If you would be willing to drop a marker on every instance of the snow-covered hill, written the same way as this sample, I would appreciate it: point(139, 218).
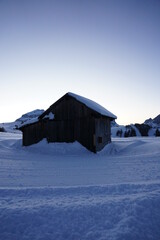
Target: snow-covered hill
point(151, 127)
point(155, 122)
point(30, 115)
point(12, 126)
point(62, 191)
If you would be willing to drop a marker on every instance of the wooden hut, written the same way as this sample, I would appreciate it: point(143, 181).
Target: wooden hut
point(71, 118)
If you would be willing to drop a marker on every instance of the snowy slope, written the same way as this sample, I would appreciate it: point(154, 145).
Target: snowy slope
point(63, 191)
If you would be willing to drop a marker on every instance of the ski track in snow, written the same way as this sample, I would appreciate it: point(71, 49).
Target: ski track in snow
point(63, 192)
point(125, 211)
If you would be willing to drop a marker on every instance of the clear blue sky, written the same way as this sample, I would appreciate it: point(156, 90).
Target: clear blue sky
point(108, 51)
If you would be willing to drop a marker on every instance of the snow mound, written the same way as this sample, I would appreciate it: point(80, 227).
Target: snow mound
point(57, 149)
point(109, 149)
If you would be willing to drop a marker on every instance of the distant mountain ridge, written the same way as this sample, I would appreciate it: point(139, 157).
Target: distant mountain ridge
point(150, 127)
point(154, 121)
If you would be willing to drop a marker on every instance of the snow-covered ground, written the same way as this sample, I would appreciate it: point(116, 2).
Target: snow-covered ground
point(63, 191)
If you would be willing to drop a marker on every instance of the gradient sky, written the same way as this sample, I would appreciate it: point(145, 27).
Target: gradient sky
point(105, 50)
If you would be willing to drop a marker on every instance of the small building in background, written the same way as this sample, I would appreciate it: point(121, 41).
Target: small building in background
point(71, 118)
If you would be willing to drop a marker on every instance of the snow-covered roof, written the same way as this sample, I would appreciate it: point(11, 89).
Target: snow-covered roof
point(93, 105)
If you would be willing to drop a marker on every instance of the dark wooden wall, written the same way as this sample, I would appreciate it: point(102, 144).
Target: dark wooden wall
point(102, 132)
point(32, 133)
point(69, 108)
point(73, 122)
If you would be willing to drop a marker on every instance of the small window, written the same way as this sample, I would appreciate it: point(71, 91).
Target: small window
point(99, 139)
